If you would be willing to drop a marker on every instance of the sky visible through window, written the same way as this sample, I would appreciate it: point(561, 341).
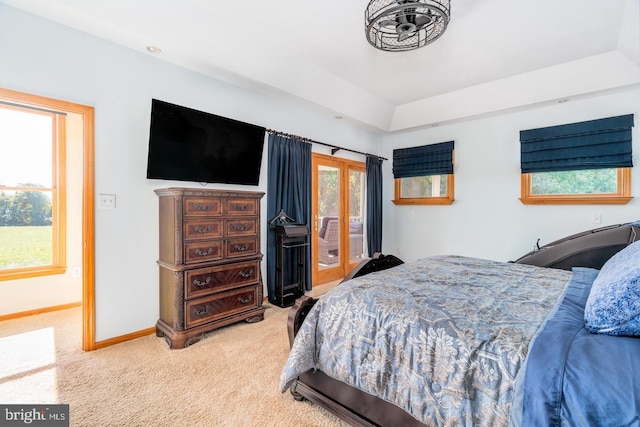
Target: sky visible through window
point(25, 148)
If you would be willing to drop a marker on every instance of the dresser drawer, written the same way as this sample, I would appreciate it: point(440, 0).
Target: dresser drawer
point(216, 306)
point(236, 206)
point(241, 246)
point(200, 251)
point(204, 281)
point(202, 228)
point(241, 227)
point(202, 206)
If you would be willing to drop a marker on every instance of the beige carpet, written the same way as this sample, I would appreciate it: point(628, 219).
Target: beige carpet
point(230, 378)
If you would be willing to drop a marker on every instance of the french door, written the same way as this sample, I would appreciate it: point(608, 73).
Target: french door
point(338, 237)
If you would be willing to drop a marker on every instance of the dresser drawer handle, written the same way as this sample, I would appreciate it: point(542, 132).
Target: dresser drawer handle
point(200, 207)
point(201, 230)
point(200, 284)
point(246, 300)
point(200, 252)
point(239, 227)
point(246, 275)
point(241, 207)
point(241, 248)
point(202, 312)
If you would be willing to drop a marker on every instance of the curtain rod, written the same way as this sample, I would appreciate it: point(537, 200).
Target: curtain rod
point(31, 107)
point(334, 148)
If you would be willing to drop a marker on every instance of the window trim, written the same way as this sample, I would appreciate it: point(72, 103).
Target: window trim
point(621, 197)
point(30, 104)
point(441, 200)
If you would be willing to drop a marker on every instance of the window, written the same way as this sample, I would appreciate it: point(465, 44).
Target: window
point(424, 175)
point(32, 238)
point(579, 163)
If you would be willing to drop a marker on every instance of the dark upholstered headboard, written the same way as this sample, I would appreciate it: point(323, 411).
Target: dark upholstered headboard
point(587, 249)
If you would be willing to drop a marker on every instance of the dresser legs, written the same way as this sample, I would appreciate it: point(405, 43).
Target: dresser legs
point(184, 338)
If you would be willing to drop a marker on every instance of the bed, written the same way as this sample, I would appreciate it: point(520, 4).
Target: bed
point(453, 341)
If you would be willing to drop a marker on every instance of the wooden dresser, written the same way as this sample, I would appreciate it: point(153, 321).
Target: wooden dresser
point(209, 262)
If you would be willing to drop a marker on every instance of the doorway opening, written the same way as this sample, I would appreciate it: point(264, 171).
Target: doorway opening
point(85, 119)
point(338, 209)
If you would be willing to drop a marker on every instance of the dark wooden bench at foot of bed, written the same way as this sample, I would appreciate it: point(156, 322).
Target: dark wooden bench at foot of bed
point(348, 403)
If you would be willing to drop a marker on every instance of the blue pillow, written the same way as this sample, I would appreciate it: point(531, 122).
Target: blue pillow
point(613, 306)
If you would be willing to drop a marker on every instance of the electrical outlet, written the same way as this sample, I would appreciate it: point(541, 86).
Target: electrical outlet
point(75, 272)
point(107, 201)
point(596, 218)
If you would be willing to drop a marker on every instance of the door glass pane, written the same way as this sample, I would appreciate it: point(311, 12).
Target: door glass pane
point(328, 217)
point(356, 215)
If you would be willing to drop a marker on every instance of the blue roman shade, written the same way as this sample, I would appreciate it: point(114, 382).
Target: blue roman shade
point(434, 159)
point(594, 144)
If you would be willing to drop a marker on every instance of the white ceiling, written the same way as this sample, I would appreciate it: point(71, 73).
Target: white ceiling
point(496, 55)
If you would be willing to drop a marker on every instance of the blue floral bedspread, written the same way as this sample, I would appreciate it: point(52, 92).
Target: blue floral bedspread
point(442, 337)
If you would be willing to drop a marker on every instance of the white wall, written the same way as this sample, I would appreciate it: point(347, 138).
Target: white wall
point(487, 219)
point(44, 58)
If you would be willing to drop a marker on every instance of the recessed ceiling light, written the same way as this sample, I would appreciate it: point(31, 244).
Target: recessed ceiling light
point(153, 49)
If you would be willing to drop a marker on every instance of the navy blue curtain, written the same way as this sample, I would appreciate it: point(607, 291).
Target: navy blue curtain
point(288, 188)
point(433, 159)
point(593, 144)
point(374, 205)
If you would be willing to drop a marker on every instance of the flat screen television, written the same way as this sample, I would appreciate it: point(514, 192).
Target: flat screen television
point(191, 145)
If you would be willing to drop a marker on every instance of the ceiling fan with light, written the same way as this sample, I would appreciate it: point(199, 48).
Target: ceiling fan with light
point(401, 25)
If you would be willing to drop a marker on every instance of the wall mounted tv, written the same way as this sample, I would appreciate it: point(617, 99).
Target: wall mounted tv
point(191, 145)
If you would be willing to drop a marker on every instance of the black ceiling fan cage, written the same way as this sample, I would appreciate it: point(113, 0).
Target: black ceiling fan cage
point(401, 25)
